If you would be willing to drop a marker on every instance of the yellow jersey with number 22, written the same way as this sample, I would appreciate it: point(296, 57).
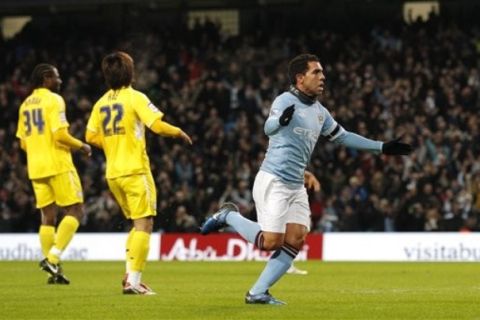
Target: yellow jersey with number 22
point(120, 116)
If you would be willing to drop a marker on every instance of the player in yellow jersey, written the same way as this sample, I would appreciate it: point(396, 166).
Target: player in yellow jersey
point(117, 125)
point(43, 133)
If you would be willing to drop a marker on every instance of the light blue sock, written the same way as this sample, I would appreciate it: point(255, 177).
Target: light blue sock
point(246, 228)
point(276, 267)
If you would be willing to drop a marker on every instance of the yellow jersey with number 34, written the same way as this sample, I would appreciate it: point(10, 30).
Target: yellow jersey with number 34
point(120, 116)
point(40, 115)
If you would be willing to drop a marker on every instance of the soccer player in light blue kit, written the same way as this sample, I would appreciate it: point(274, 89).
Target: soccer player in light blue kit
point(295, 122)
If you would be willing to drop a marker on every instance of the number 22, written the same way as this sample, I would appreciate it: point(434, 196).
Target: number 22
point(114, 128)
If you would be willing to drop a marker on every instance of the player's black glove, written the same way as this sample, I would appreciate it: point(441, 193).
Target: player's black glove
point(395, 147)
point(287, 115)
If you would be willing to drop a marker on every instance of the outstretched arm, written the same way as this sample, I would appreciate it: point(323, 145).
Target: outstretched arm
point(335, 133)
point(393, 147)
point(353, 140)
point(165, 129)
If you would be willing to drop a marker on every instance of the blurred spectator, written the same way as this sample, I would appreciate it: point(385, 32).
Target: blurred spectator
point(183, 222)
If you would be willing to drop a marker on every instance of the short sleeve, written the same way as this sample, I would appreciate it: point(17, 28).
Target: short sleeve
point(93, 121)
point(58, 118)
point(145, 109)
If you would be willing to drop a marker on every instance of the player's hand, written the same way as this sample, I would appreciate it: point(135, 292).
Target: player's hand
point(86, 149)
point(311, 182)
point(395, 147)
point(287, 115)
point(185, 137)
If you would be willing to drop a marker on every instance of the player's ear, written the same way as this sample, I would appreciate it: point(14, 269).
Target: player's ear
point(299, 77)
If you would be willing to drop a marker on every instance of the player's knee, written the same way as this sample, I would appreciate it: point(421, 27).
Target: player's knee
point(79, 211)
point(144, 224)
point(296, 241)
point(76, 211)
point(48, 220)
point(49, 215)
point(296, 235)
point(272, 244)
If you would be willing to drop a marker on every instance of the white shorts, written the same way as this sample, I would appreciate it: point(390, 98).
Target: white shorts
point(277, 205)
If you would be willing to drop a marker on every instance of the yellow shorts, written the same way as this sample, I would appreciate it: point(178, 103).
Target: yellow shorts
point(64, 189)
point(136, 194)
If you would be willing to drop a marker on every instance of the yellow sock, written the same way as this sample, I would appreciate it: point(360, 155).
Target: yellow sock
point(127, 249)
point(139, 250)
point(47, 237)
point(67, 228)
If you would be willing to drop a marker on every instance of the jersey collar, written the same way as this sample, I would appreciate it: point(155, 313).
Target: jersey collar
point(41, 89)
point(302, 96)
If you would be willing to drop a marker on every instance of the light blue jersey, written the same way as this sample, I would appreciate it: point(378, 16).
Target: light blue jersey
point(290, 147)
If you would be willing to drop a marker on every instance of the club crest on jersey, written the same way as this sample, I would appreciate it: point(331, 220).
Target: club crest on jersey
point(320, 119)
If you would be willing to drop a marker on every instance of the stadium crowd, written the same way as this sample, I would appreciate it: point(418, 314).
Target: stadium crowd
point(420, 80)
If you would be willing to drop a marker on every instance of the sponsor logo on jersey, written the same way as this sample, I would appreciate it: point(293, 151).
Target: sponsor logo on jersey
point(307, 133)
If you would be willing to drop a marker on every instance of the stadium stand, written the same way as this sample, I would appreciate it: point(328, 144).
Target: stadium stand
point(420, 80)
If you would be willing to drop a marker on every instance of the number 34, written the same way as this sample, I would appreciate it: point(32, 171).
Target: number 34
point(33, 118)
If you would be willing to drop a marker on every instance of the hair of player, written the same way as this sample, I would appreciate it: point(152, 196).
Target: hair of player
point(299, 64)
point(117, 69)
point(39, 73)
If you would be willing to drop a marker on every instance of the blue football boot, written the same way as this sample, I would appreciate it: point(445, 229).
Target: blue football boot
point(219, 219)
point(262, 298)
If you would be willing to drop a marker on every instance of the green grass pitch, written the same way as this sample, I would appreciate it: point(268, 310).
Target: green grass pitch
point(215, 290)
